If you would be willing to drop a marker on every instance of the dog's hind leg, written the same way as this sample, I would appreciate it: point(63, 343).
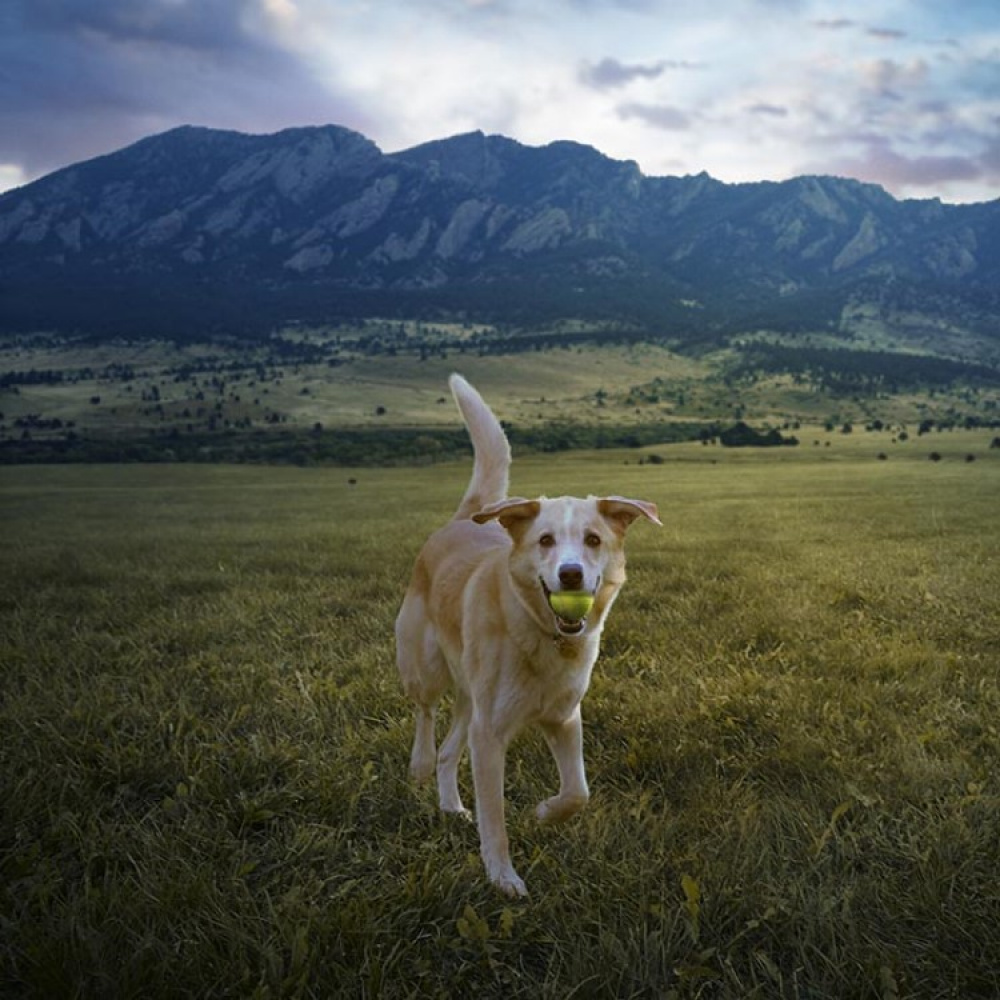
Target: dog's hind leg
point(422, 754)
point(451, 755)
point(425, 678)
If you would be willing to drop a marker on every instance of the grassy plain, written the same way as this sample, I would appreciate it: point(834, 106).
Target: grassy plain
point(793, 739)
point(336, 380)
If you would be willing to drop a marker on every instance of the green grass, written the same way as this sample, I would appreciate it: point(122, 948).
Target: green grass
point(128, 390)
point(792, 737)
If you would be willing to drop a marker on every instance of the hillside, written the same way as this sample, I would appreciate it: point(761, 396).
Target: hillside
point(196, 232)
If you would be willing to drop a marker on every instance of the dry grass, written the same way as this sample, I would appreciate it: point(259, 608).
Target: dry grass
point(792, 739)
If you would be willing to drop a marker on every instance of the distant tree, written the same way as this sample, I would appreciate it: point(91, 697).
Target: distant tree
point(741, 435)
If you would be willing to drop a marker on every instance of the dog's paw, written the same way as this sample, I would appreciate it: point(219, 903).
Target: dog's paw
point(460, 813)
point(559, 808)
point(421, 773)
point(509, 883)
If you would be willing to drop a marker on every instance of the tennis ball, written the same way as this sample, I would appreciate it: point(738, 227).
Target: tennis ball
point(571, 605)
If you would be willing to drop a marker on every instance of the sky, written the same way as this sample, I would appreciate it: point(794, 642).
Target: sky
point(901, 93)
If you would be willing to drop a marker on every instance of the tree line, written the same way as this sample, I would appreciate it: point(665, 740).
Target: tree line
point(852, 371)
point(347, 447)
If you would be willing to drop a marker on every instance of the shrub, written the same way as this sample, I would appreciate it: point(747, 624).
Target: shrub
point(741, 435)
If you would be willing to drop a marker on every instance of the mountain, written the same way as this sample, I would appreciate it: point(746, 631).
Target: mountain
point(198, 230)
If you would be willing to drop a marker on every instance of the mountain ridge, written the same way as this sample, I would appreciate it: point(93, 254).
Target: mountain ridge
point(199, 230)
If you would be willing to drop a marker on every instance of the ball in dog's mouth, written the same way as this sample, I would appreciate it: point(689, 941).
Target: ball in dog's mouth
point(570, 608)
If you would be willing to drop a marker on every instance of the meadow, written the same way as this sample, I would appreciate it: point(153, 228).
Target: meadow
point(199, 398)
point(792, 738)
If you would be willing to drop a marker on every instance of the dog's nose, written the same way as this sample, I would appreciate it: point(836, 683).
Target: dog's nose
point(571, 576)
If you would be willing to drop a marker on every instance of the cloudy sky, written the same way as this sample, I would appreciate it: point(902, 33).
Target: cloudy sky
point(904, 93)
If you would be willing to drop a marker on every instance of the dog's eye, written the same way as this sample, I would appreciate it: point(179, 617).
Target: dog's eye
point(546, 541)
point(592, 540)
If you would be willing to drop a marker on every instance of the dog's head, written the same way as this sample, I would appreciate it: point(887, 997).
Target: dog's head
point(568, 544)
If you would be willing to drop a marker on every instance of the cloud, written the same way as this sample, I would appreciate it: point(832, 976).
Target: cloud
point(845, 23)
point(80, 77)
point(630, 6)
point(770, 110)
point(207, 25)
point(660, 116)
point(747, 89)
point(841, 24)
point(610, 73)
point(887, 34)
point(11, 176)
point(991, 159)
point(918, 174)
point(889, 79)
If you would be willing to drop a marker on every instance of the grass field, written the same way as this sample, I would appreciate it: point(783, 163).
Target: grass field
point(52, 388)
point(793, 739)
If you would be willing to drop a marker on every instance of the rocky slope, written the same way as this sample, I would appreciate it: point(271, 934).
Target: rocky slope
point(197, 230)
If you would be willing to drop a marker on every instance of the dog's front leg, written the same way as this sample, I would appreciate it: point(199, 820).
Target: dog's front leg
point(488, 751)
point(565, 740)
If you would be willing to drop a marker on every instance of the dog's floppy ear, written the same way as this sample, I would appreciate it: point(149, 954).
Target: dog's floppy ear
point(621, 511)
point(514, 513)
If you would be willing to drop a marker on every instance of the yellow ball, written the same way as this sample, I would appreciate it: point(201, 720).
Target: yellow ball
point(571, 605)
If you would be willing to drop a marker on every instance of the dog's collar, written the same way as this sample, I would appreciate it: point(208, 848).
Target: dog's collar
point(567, 646)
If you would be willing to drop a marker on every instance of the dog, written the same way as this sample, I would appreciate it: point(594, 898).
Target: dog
point(477, 618)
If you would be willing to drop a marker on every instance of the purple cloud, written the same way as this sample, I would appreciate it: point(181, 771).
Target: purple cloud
point(836, 24)
point(887, 34)
point(610, 73)
point(770, 110)
point(79, 77)
point(879, 163)
point(660, 116)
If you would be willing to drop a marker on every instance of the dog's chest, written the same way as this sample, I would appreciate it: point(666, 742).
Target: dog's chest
point(556, 683)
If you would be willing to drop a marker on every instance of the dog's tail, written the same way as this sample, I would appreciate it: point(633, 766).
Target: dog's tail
point(492, 452)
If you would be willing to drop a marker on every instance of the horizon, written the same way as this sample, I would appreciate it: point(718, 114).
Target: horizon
point(905, 95)
point(489, 135)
